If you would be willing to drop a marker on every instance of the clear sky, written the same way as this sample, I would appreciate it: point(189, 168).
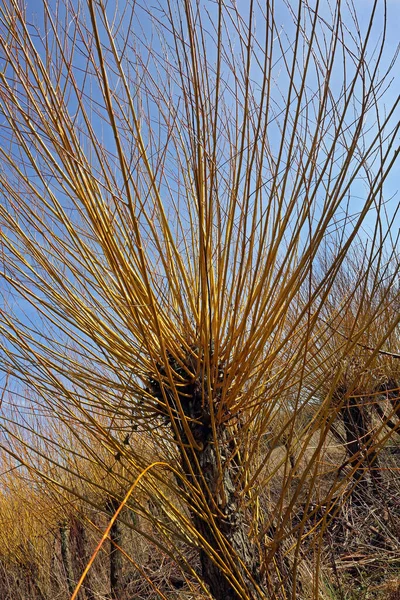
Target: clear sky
point(285, 23)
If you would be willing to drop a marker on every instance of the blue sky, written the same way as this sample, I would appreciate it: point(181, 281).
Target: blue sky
point(285, 23)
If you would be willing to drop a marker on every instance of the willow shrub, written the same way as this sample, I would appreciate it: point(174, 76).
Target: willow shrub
point(171, 177)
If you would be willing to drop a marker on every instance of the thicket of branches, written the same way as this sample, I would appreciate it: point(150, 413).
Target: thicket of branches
point(200, 300)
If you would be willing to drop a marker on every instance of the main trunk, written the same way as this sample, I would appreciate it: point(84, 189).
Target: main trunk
point(228, 526)
point(359, 444)
point(66, 555)
point(116, 579)
point(231, 569)
point(82, 558)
